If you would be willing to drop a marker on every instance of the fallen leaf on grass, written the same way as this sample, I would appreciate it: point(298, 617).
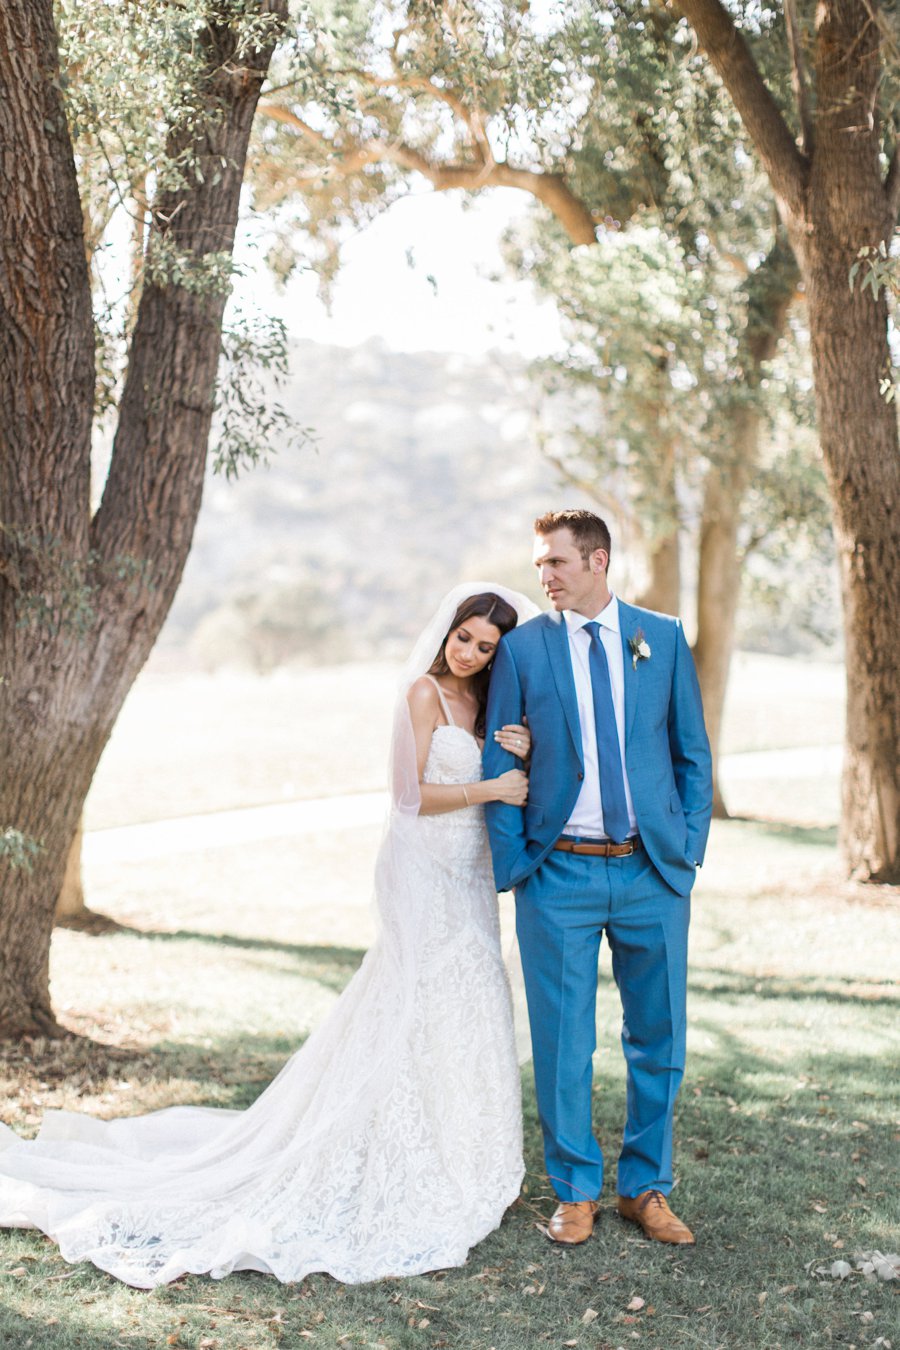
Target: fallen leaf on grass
point(820, 1209)
point(636, 1304)
point(878, 1265)
point(589, 1316)
point(707, 1307)
point(18, 1272)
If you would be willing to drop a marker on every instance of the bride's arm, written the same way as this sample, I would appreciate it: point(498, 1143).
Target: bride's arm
point(438, 798)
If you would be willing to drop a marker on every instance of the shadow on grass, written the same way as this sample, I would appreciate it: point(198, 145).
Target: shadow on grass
point(729, 986)
point(819, 836)
point(330, 966)
point(784, 1161)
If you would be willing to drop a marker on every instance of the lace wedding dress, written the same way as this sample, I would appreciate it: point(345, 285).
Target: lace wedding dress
point(389, 1144)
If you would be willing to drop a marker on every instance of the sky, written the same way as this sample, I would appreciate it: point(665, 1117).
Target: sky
point(418, 278)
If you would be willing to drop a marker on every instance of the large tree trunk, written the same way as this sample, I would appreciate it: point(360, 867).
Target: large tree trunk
point(769, 291)
point(82, 602)
point(849, 207)
point(834, 200)
point(859, 442)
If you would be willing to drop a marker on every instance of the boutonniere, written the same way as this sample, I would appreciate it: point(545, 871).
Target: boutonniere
point(640, 648)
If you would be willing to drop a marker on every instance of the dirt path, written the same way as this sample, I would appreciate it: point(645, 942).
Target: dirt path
point(248, 825)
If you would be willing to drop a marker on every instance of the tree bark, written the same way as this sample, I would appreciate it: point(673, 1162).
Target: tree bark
point(769, 290)
point(81, 602)
point(663, 590)
point(833, 201)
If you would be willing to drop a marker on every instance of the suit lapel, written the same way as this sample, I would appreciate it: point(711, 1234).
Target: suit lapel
point(628, 626)
point(556, 636)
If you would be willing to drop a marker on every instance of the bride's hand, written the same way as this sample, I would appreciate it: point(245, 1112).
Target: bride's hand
point(514, 738)
point(511, 787)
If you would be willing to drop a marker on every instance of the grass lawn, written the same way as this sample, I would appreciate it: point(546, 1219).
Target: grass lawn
point(787, 1131)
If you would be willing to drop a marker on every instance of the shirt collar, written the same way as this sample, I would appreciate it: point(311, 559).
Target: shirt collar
point(607, 618)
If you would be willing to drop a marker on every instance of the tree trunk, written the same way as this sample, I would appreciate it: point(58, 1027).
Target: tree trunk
point(81, 602)
point(834, 200)
point(718, 593)
point(70, 906)
point(71, 911)
point(663, 590)
point(860, 447)
point(769, 290)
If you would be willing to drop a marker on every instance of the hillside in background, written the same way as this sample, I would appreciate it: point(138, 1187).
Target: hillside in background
point(424, 471)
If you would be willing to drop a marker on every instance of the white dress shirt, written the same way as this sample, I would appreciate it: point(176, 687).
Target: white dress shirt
point(587, 817)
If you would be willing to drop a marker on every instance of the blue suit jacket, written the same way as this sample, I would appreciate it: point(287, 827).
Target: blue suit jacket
point(666, 747)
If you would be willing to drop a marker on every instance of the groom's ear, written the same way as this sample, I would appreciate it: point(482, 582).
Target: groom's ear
point(599, 561)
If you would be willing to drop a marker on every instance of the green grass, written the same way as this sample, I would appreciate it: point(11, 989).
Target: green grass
point(787, 1137)
point(787, 1130)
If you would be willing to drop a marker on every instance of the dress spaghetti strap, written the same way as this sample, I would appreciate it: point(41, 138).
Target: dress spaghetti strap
point(440, 693)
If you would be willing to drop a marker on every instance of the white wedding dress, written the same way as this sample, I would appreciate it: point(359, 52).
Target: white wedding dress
point(389, 1144)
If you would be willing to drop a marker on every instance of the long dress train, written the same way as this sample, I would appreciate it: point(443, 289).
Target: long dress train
point(389, 1144)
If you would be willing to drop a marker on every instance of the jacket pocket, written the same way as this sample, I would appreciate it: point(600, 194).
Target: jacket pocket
point(534, 818)
point(674, 801)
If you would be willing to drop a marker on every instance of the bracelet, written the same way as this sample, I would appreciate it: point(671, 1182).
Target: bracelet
point(465, 794)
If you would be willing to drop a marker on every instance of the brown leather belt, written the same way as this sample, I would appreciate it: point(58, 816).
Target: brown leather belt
point(599, 848)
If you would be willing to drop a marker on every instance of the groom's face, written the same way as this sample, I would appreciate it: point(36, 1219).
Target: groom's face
point(568, 580)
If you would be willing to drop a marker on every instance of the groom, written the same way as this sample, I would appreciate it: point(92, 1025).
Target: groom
point(618, 812)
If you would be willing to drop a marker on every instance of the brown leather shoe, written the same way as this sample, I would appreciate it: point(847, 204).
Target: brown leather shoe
point(572, 1222)
point(650, 1209)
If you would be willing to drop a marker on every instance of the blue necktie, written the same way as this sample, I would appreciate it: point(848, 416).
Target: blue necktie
point(612, 782)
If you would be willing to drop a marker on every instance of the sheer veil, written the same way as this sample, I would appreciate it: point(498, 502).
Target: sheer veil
point(403, 775)
point(402, 861)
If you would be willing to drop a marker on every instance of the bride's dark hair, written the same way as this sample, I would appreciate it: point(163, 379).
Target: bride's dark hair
point(493, 610)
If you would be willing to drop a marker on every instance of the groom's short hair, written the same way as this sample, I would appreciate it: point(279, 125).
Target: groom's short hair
point(588, 531)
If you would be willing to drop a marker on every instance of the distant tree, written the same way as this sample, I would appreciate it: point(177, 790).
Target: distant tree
point(83, 591)
point(606, 124)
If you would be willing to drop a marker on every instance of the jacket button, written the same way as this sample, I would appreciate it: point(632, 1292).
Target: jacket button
point(581, 775)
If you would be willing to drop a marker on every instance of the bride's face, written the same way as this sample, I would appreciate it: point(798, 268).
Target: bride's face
point(471, 646)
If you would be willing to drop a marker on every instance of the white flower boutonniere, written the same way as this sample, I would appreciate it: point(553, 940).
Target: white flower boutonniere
point(640, 648)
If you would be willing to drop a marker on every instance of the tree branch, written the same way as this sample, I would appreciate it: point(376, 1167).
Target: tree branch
point(786, 166)
point(549, 188)
point(799, 78)
point(155, 480)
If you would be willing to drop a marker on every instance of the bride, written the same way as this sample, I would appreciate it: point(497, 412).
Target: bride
point(390, 1143)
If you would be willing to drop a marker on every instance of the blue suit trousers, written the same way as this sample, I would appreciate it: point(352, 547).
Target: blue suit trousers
point(562, 911)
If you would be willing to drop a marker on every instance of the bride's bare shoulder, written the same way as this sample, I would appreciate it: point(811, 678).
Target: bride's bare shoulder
point(422, 695)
